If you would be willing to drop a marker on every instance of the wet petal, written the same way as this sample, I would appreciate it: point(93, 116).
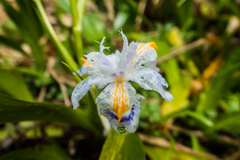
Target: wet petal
point(118, 103)
point(125, 42)
point(150, 80)
point(131, 53)
point(104, 81)
point(88, 68)
point(152, 65)
point(100, 61)
point(146, 52)
point(83, 87)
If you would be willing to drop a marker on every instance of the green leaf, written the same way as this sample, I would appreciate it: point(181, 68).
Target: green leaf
point(29, 26)
point(13, 110)
point(122, 146)
point(93, 27)
point(120, 20)
point(41, 152)
point(195, 143)
point(14, 45)
point(226, 78)
point(228, 123)
point(198, 116)
point(157, 153)
point(12, 83)
point(64, 4)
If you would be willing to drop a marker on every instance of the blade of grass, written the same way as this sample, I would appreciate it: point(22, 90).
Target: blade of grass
point(11, 43)
point(14, 110)
point(122, 146)
point(65, 54)
point(77, 9)
point(29, 33)
point(47, 151)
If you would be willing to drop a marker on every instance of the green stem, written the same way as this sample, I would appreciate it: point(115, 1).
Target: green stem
point(77, 9)
point(65, 54)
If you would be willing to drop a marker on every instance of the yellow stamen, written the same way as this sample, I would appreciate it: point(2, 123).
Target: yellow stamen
point(120, 102)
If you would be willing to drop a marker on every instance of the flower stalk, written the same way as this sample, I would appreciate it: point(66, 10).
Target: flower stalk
point(64, 53)
point(77, 9)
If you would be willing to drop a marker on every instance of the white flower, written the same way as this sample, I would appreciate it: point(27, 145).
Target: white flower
point(118, 102)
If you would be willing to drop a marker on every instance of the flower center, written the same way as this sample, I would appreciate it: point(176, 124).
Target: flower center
point(119, 78)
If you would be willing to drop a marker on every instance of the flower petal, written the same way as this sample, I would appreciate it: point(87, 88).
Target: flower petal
point(125, 42)
point(150, 80)
point(151, 65)
point(97, 61)
point(146, 52)
point(118, 103)
point(104, 81)
point(83, 87)
point(88, 68)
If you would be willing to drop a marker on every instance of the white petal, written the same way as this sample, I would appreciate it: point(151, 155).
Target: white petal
point(151, 65)
point(102, 47)
point(119, 100)
point(146, 52)
point(131, 53)
point(150, 80)
point(88, 69)
point(104, 81)
point(114, 59)
point(125, 42)
point(82, 88)
point(100, 61)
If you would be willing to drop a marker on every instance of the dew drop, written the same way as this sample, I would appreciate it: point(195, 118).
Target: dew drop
point(122, 129)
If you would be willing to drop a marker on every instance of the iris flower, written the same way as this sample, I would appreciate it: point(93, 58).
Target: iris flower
point(118, 102)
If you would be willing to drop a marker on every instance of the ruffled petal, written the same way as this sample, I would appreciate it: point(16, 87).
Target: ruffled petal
point(88, 68)
point(119, 104)
point(83, 87)
point(152, 65)
point(146, 55)
point(125, 42)
point(98, 61)
point(150, 80)
point(104, 81)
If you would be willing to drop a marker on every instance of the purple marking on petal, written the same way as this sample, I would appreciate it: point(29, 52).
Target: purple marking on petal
point(113, 75)
point(112, 115)
point(129, 118)
point(107, 64)
point(126, 119)
point(80, 70)
point(122, 73)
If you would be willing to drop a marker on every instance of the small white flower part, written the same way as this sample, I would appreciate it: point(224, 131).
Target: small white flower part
point(118, 102)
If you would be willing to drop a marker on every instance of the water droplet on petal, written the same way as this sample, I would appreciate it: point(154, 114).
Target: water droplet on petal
point(122, 129)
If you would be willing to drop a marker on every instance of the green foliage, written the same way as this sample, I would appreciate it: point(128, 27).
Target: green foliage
point(13, 110)
point(11, 43)
point(127, 146)
point(30, 33)
point(93, 28)
point(156, 153)
point(228, 123)
point(225, 79)
point(41, 152)
point(203, 73)
point(13, 84)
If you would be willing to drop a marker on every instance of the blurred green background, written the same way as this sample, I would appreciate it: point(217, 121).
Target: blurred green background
point(198, 54)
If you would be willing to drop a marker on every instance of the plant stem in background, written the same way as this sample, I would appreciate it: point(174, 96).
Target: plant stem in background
point(77, 9)
point(65, 54)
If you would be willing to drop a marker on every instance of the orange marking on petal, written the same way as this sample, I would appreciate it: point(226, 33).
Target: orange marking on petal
point(119, 97)
point(143, 47)
point(140, 47)
point(85, 62)
point(153, 45)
